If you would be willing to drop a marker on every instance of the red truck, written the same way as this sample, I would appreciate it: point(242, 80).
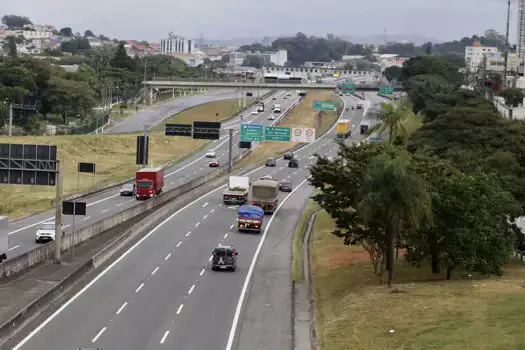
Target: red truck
point(149, 182)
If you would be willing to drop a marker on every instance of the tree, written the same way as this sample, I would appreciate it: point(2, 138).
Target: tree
point(14, 21)
point(121, 59)
point(69, 97)
point(392, 117)
point(424, 87)
point(254, 48)
point(253, 61)
point(513, 96)
point(10, 47)
point(67, 32)
point(393, 73)
point(394, 198)
point(89, 33)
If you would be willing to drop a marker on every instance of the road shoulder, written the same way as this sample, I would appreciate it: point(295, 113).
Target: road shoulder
point(267, 320)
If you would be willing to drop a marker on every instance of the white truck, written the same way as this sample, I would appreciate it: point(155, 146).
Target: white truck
point(238, 189)
point(4, 240)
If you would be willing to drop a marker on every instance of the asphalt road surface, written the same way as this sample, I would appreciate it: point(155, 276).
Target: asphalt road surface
point(161, 293)
point(22, 233)
point(154, 116)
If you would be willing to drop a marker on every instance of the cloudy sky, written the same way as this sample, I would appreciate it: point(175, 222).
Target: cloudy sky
point(225, 19)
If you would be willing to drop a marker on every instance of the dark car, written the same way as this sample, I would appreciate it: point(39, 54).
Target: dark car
point(224, 258)
point(128, 190)
point(214, 163)
point(286, 186)
point(288, 155)
point(271, 162)
point(293, 163)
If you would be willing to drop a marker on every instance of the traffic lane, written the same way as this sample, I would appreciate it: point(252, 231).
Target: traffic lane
point(134, 266)
point(111, 201)
point(267, 314)
point(136, 273)
point(152, 117)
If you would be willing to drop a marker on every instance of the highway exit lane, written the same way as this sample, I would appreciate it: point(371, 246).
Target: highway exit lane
point(145, 296)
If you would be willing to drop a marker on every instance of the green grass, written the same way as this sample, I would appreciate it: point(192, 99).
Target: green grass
point(300, 230)
point(354, 311)
point(114, 156)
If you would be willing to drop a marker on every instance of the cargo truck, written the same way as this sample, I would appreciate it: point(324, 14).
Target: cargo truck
point(250, 218)
point(343, 128)
point(150, 182)
point(237, 192)
point(264, 194)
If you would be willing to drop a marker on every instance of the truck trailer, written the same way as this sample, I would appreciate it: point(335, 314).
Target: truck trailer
point(343, 128)
point(237, 192)
point(250, 218)
point(264, 194)
point(150, 182)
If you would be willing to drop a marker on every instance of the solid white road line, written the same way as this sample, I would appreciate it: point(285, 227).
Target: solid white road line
point(86, 218)
point(164, 337)
point(98, 335)
point(132, 248)
point(13, 248)
point(121, 308)
point(250, 271)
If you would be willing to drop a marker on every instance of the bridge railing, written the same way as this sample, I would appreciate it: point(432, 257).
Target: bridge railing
point(204, 79)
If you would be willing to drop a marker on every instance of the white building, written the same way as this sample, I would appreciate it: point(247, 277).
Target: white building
point(176, 44)
point(474, 56)
point(279, 58)
point(237, 58)
point(495, 62)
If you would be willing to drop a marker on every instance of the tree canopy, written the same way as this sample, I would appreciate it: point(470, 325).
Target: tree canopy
point(14, 21)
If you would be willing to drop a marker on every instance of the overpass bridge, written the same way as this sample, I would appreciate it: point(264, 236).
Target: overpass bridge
point(243, 85)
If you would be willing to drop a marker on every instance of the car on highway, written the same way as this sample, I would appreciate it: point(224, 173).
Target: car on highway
point(293, 163)
point(210, 154)
point(214, 163)
point(254, 112)
point(271, 162)
point(285, 97)
point(360, 105)
point(288, 155)
point(288, 93)
point(285, 186)
point(274, 98)
point(224, 258)
point(45, 232)
point(267, 177)
point(271, 117)
point(128, 190)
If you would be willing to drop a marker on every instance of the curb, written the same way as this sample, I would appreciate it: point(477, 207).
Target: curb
point(306, 301)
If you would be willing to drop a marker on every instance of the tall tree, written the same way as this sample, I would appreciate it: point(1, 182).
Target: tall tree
point(10, 47)
point(88, 33)
point(513, 96)
point(67, 31)
point(253, 61)
point(396, 199)
point(391, 117)
point(121, 59)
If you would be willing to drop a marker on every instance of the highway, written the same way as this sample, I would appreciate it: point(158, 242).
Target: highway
point(161, 293)
point(153, 116)
point(109, 202)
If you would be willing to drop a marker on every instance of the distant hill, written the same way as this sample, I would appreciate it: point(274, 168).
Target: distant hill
point(369, 39)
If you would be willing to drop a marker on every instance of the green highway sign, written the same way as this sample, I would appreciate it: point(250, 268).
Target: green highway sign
point(349, 86)
point(352, 92)
point(324, 106)
point(276, 133)
point(386, 91)
point(251, 133)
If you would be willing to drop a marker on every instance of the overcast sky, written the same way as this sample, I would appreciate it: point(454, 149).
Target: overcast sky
point(225, 19)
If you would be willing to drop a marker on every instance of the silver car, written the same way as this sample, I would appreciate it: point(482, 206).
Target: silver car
point(128, 190)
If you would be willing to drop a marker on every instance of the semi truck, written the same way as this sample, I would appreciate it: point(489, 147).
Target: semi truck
point(264, 194)
point(237, 192)
point(343, 128)
point(250, 218)
point(150, 182)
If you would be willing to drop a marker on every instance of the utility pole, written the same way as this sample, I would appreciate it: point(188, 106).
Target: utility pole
point(58, 213)
point(506, 45)
point(144, 158)
point(230, 150)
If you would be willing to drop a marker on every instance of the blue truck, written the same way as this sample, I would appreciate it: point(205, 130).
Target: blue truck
point(250, 218)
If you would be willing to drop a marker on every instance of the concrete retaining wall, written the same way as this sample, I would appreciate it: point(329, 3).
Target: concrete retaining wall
point(43, 252)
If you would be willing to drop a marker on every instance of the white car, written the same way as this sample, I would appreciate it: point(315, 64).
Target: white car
point(210, 154)
point(45, 232)
point(271, 117)
point(255, 112)
point(289, 94)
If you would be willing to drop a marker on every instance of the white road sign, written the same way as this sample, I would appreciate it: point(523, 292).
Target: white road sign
point(303, 135)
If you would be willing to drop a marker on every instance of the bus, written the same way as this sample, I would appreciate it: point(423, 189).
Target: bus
point(260, 106)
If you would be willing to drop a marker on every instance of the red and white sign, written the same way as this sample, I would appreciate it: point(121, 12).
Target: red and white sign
point(303, 135)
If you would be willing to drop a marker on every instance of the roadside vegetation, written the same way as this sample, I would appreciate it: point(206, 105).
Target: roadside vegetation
point(415, 246)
